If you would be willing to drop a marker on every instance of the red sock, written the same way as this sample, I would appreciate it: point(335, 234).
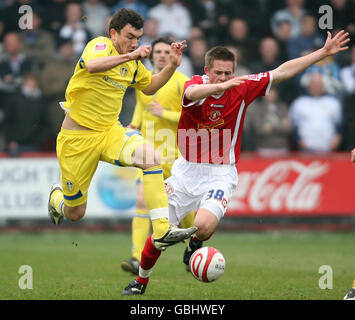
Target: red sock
point(150, 255)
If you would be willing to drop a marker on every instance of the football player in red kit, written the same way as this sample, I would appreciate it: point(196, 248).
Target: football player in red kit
point(209, 137)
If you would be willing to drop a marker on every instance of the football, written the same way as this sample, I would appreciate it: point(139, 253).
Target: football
point(207, 264)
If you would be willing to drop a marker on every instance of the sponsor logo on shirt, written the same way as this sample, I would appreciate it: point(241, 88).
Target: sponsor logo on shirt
point(257, 77)
point(100, 46)
point(211, 126)
point(217, 105)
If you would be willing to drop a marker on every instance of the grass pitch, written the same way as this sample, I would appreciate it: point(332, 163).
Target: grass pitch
point(267, 266)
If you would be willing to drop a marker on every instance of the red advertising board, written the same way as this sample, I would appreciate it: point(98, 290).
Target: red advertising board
point(299, 184)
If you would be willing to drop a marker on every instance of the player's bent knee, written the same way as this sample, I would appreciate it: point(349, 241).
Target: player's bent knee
point(203, 231)
point(74, 214)
point(145, 157)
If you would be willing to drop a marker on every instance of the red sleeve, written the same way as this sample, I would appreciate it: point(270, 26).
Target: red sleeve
point(257, 85)
point(193, 82)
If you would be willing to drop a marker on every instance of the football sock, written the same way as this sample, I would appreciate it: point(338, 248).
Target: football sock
point(156, 200)
point(57, 201)
point(140, 232)
point(195, 244)
point(150, 255)
point(353, 287)
point(188, 220)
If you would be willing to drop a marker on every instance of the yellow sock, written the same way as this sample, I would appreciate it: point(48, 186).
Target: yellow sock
point(353, 284)
point(188, 220)
point(57, 201)
point(140, 232)
point(156, 200)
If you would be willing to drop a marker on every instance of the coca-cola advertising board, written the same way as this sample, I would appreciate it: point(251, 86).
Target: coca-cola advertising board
point(294, 185)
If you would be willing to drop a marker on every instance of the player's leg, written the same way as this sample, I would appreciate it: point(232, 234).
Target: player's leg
point(212, 209)
point(128, 148)
point(148, 159)
point(57, 209)
point(150, 256)
point(78, 158)
point(140, 230)
point(193, 243)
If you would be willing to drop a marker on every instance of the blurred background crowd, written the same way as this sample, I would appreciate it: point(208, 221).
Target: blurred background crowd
point(314, 112)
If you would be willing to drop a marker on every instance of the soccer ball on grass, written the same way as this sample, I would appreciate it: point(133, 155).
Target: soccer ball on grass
point(207, 264)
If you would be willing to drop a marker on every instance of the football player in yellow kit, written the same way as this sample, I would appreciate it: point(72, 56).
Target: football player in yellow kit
point(157, 117)
point(91, 131)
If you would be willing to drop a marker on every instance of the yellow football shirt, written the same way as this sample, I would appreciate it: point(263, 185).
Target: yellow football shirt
point(161, 132)
point(94, 100)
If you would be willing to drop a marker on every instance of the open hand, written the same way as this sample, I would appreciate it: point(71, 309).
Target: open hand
point(337, 43)
point(236, 81)
point(177, 48)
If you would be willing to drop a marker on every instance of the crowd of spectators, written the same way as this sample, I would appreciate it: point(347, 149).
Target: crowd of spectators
point(313, 112)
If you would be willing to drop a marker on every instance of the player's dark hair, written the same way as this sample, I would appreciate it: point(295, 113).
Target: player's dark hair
point(218, 53)
point(167, 40)
point(126, 16)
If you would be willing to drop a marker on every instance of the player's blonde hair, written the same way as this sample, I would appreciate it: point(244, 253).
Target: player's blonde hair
point(219, 53)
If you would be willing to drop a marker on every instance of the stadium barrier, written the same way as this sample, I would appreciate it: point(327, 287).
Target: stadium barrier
point(298, 190)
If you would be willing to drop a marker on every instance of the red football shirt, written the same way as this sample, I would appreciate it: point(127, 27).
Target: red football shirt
point(210, 129)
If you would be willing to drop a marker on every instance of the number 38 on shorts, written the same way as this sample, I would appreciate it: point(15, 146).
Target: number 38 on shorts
point(218, 195)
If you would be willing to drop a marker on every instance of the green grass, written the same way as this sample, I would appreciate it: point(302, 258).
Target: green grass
point(79, 265)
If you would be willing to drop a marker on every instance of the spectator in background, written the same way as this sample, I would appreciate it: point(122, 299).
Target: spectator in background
point(270, 125)
point(173, 18)
point(293, 12)
point(269, 52)
point(74, 28)
point(240, 69)
point(136, 5)
point(330, 71)
point(38, 44)
point(239, 36)
point(309, 39)
point(203, 15)
point(283, 36)
point(343, 15)
point(2, 33)
point(197, 50)
point(25, 118)
point(54, 79)
point(317, 118)
point(54, 16)
point(347, 74)
point(14, 64)
point(150, 30)
point(12, 15)
point(95, 13)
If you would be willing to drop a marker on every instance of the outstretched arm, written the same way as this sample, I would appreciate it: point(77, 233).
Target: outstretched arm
point(202, 91)
point(292, 67)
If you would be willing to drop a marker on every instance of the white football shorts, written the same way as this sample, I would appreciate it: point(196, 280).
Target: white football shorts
point(192, 186)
